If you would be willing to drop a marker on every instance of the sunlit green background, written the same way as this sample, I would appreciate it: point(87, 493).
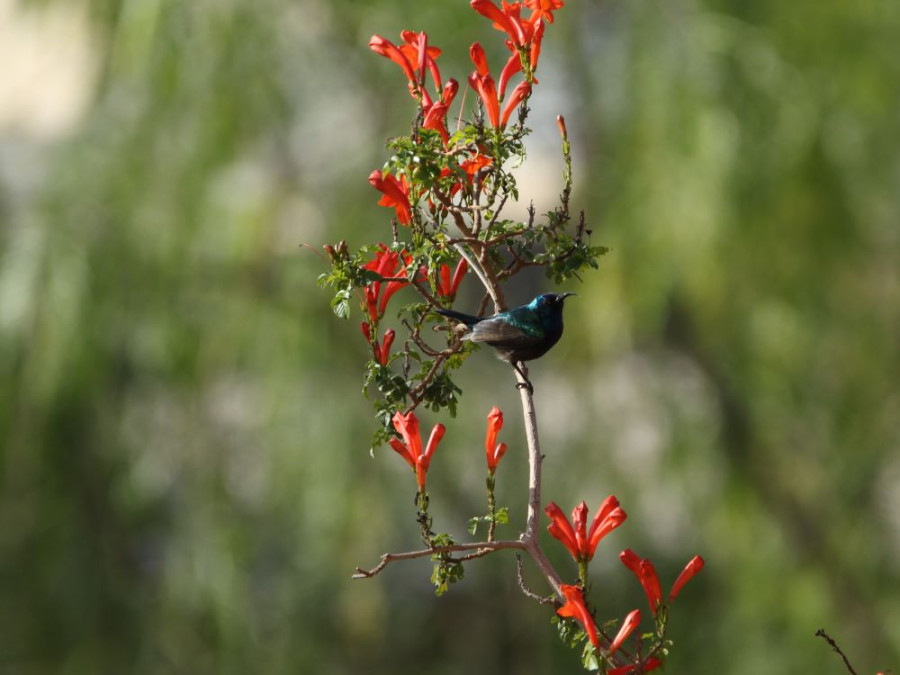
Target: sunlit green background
point(185, 469)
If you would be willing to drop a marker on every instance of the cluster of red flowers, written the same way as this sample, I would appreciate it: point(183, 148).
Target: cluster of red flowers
point(395, 194)
point(447, 287)
point(407, 425)
point(581, 544)
point(646, 574)
point(387, 264)
point(410, 448)
point(418, 59)
point(381, 350)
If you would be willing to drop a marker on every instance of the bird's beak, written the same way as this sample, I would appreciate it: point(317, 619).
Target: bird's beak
point(566, 295)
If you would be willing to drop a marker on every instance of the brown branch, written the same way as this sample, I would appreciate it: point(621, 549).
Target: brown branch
point(479, 549)
point(497, 210)
point(419, 388)
point(530, 536)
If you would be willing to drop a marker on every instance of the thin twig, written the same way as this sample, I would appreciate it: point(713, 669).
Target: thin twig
point(481, 548)
point(825, 636)
point(548, 600)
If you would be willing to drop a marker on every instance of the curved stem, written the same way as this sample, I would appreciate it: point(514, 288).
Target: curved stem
point(530, 537)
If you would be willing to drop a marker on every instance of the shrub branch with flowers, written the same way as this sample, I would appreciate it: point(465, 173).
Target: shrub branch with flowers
point(447, 188)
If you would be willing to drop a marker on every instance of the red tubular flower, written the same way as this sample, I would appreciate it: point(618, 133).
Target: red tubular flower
point(475, 164)
point(576, 609)
point(366, 331)
point(417, 52)
point(413, 57)
point(461, 268)
point(387, 263)
point(383, 350)
point(649, 664)
point(646, 574)
point(690, 570)
point(609, 516)
point(513, 66)
point(476, 53)
point(561, 529)
point(395, 193)
point(507, 19)
point(449, 91)
point(484, 86)
point(447, 287)
point(389, 50)
point(436, 113)
point(436, 118)
point(536, 40)
point(631, 622)
point(519, 94)
point(543, 9)
point(393, 286)
point(411, 448)
point(581, 543)
point(494, 450)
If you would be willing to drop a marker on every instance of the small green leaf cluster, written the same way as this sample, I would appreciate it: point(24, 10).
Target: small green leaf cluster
point(501, 517)
point(447, 569)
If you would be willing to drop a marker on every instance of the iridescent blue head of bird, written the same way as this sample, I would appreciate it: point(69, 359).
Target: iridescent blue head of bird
point(549, 300)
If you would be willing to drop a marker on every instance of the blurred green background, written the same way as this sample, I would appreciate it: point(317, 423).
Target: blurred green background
point(186, 479)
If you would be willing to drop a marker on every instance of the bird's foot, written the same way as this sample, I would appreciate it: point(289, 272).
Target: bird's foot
point(524, 383)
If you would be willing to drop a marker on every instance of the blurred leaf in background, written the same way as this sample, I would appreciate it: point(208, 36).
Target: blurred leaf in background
point(186, 484)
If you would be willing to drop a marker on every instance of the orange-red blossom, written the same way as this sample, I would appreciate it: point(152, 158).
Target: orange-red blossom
point(410, 448)
point(387, 263)
point(494, 450)
point(576, 609)
point(382, 350)
point(575, 536)
point(645, 572)
point(631, 622)
point(395, 193)
point(448, 286)
point(484, 85)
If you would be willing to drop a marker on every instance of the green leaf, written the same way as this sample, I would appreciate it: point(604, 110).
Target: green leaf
point(340, 304)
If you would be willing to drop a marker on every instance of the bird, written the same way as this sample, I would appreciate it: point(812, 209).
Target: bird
point(520, 334)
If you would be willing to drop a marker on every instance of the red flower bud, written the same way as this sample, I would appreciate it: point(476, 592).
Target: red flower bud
point(494, 450)
point(631, 622)
point(689, 572)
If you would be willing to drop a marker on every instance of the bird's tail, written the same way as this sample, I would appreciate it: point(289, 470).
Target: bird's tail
point(467, 319)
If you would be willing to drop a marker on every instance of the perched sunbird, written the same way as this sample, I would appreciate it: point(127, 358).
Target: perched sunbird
point(519, 334)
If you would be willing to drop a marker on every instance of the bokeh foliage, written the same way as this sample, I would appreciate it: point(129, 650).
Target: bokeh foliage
point(186, 485)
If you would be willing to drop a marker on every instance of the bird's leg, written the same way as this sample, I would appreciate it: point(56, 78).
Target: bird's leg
point(520, 368)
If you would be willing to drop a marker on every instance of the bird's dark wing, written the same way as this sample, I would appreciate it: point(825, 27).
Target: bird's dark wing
point(499, 330)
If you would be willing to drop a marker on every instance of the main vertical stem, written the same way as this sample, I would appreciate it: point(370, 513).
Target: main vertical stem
point(530, 536)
